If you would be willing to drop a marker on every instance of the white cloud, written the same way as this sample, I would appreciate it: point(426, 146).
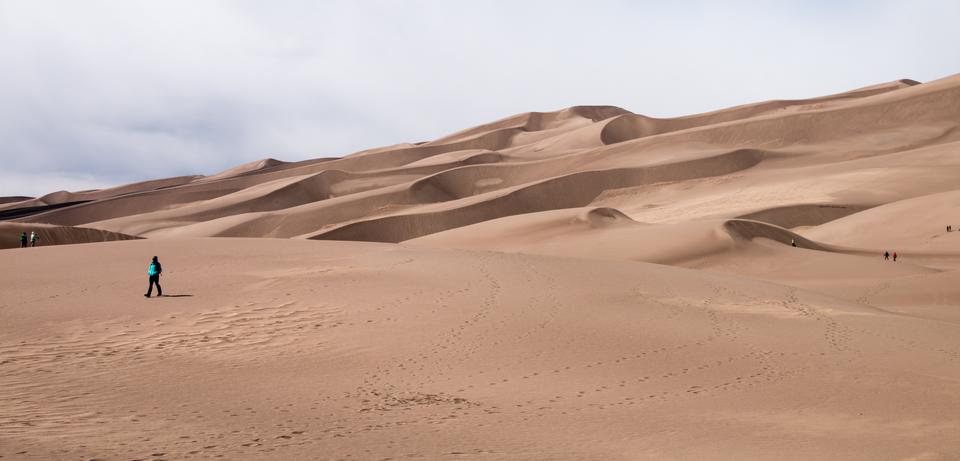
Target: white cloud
point(123, 91)
point(36, 185)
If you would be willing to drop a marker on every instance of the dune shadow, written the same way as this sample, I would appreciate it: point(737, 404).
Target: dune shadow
point(177, 296)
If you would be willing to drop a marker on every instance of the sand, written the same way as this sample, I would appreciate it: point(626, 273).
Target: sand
point(581, 284)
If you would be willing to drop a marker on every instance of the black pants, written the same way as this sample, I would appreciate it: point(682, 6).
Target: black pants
point(155, 280)
point(23, 244)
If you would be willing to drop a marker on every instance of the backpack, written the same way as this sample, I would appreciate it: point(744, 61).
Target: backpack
point(152, 270)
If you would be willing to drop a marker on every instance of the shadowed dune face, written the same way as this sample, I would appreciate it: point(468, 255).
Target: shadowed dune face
point(6, 200)
point(587, 283)
point(55, 235)
point(803, 215)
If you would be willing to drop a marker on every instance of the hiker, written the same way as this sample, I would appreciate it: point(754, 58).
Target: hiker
point(34, 238)
point(886, 255)
point(23, 240)
point(793, 243)
point(948, 228)
point(154, 270)
point(894, 256)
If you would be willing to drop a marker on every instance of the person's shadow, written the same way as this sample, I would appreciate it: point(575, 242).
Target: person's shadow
point(175, 296)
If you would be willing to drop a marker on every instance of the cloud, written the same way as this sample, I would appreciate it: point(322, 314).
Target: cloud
point(115, 92)
point(48, 182)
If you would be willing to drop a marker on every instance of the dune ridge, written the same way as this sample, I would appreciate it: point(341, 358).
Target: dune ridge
point(570, 191)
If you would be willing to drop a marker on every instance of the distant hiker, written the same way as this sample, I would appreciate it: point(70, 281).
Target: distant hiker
point(23, 240)
point(154, 270)
point(793, 243)
point(894, 256)
point(886, 255)
point(34, 237)
point(948, 228)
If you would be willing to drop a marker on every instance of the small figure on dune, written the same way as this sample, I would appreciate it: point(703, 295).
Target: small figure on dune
point(894, 256)
point(793, 243)
point(154, 270)
point(34, 238)
point(23, 240)
point(949, 228)
point(886, 255)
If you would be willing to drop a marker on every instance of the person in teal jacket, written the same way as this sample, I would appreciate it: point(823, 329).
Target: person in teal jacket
point(154, 270)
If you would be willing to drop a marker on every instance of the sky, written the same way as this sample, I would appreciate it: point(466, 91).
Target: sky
point(101, 93)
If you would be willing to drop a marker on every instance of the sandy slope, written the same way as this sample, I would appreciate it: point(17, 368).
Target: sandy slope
point(287, 349)
point(54, 235)
point(519, 317)
point(916, 223)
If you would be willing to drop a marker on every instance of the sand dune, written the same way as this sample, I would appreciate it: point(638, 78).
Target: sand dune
point(917, 224)
point(609, 234)
point(540, 122)
point(62, 197)
point(15, 199)
point(255, 166)
point(632, 126)
point(803, 215)
point(55, 235)
point(588, 233)
point(577, 189)
point(587, 283)
point(802, 140)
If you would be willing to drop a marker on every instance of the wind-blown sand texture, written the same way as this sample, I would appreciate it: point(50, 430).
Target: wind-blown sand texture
point(580, 284)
